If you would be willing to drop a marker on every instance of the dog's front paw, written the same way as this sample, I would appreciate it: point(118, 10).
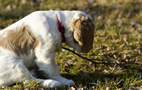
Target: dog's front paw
point(50, 83)
point(68, 83)
point(64, 81)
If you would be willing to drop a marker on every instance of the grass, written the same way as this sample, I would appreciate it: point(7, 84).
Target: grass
point(116, 40)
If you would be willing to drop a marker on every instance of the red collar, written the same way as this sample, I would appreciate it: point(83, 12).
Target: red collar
point(61, 29)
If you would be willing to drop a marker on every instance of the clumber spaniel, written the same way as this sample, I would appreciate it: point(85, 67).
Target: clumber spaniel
point(32, 42)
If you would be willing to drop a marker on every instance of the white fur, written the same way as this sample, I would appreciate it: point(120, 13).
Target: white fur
point(43, 24)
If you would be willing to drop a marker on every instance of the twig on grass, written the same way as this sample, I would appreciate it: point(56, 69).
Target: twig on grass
point(100, 61)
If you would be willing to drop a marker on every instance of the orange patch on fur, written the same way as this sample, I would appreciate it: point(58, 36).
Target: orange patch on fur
point(19, 42)
point(84, 32)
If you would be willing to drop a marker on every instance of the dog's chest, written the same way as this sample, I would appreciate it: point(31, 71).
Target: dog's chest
point(28, 60)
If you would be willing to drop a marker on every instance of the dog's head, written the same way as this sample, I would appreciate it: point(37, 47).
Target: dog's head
point(83, 31)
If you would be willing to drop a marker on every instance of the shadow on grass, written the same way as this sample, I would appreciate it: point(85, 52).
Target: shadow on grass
point(99, 79)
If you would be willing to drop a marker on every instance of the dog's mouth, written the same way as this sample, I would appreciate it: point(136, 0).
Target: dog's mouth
point(84, 48)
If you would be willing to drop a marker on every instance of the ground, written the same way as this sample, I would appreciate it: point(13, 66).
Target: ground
point(118, 40)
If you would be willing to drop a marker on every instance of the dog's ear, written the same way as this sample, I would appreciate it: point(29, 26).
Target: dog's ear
point(83, 31)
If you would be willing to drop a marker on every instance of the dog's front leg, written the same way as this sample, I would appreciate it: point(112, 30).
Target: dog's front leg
point(46, 63)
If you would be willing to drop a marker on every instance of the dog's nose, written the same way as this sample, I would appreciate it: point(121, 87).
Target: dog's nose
point(86, 50)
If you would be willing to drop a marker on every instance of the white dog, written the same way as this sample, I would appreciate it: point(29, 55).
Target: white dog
point(33, 41)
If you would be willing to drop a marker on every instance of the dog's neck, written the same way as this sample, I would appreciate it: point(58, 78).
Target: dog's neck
point(66, 18)
point(60, 27)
